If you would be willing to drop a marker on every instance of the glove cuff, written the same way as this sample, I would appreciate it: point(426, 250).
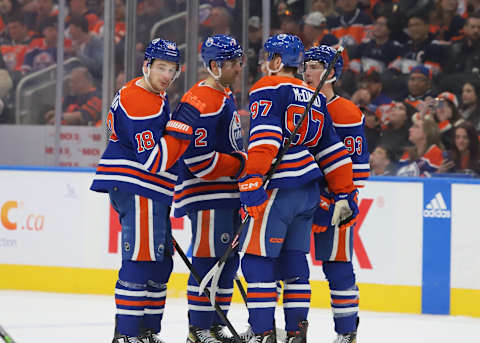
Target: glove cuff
point(242, 157)
point(250, 182)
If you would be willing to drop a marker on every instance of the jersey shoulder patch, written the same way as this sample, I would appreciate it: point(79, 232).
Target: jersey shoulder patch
point(138, 103)
point(205, 99)
point(274, 81)
point(344, 112)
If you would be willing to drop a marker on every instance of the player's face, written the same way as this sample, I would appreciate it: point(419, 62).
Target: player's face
point(162, 73)
point(231, 70)
point(313, 73)
point(461, 139)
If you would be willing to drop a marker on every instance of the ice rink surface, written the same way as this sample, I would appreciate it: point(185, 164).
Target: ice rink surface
point(33, 317)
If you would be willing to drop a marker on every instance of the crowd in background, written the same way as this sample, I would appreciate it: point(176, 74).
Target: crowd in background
point(413, 67)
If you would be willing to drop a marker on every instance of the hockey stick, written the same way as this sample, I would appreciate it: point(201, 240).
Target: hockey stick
point(214, 273)
point(206, 291)
point(5, 336)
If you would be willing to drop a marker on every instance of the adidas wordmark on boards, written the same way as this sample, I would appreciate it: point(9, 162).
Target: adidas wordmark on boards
point(436, 208)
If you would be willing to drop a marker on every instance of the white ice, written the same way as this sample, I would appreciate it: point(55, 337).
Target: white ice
point(34, 317)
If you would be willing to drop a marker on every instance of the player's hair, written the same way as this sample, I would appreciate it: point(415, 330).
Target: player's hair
point(432, 137)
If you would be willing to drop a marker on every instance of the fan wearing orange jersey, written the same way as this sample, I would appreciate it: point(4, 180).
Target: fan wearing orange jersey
point(138, 171)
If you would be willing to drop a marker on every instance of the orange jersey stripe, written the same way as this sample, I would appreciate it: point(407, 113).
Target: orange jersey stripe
point(197, 298)
point(341, 254)
point(361, 175)
point(135, 173)
point(232, 187)
point(156, 303)
point(333, 157)
point(201, 165)
point(296, 164)
point(266, 134)
point(157, 162)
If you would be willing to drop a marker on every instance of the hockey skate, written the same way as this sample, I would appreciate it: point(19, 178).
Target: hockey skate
point(197, 335)
point(299, 336)
point(126, 339)
point(266, 337)
point(219, 333)
point(350, 337)
point(150, 337)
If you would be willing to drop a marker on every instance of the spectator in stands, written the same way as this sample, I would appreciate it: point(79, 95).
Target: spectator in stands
point(372, 82)
point(290, 24)
point(464, 55)
point(426, 154)
point(419, 86)
point(382, 162)
point(79, 8)
point(7, 9)
point(15, 46)
point(445, 112)
point(378, 52)
point(255, 45)
point(43, 51)
point(352, 25)
point(154, 11)
point(220, 21)
point(324, 6)
point(464, 157)
point(315, 31)
point(421, 48)
point(43, 10)
point(445, 23)
point(396, 132)
point(83, 104)
point(119, 22)
point(6, 84)
point(372, 128)
point(470, 106)
point(87, 47)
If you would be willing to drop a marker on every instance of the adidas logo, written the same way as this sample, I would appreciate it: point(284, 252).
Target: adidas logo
point(436, 208)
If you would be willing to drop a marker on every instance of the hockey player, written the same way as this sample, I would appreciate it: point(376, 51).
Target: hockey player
point(277, 237)
point(334, 244)
point(136, 171)
point(207, 188)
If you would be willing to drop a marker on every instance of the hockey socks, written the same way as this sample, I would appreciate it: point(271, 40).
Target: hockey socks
point(344, 295)
point(292, 268)
point(201, 313)
point(262, 291)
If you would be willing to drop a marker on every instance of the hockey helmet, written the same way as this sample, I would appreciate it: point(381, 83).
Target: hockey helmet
point(325, 54)
point(220, 48)
point(289, 47)
point(163, 50)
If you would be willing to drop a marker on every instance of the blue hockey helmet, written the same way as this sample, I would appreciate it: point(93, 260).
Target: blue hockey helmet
point(325, 54)
point(163, 50)
point(220, 48)
point(289, 47)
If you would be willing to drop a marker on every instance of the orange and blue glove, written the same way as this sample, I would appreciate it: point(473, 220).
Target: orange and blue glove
point(252, 194)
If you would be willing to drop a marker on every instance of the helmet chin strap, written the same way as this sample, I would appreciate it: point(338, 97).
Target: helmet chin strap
point(216, 77)
point(271, 71)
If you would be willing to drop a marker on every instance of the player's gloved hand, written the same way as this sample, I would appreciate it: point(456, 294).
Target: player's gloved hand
point(242, 157)
point(346, 209)
point(252, 195)
point(323, 215)
point(182, 121)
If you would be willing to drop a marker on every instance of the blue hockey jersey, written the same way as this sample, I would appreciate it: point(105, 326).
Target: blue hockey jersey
point(276, 105)
point(348, 122)
point(137, 158)
point(206, 170)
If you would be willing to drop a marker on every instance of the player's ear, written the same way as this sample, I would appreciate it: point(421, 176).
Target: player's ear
point(214, 67)
point(276, 61)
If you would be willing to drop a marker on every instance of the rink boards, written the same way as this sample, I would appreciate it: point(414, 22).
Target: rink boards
point(415, 243)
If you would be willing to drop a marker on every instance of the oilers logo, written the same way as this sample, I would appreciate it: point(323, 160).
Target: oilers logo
point(209, 41)
point(235, 132)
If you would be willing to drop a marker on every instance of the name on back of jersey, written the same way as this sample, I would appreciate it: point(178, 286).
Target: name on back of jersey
point(303, 95)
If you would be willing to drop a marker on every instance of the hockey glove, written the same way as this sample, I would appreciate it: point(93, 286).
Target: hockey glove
point(182, 120)
point(346, 209)
point(242, 157)
point(252, 195)
point(323, 215)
